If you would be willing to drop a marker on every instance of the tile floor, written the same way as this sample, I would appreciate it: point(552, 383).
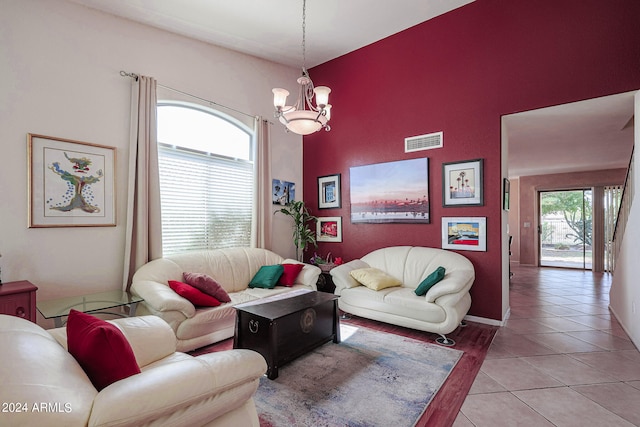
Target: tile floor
point(561, 360)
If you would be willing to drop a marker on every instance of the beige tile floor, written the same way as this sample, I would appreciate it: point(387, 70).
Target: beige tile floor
point(562, 359)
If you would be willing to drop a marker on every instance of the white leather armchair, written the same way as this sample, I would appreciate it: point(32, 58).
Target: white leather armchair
point(43, 385)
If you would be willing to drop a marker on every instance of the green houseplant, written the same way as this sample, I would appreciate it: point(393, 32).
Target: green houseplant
point(303, 235)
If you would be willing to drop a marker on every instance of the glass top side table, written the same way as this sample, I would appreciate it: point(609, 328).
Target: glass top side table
point(92, 303)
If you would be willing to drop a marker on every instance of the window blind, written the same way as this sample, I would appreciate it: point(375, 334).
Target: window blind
point(206, 200)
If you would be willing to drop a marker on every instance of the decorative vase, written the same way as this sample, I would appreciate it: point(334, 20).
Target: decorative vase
point(326, 267)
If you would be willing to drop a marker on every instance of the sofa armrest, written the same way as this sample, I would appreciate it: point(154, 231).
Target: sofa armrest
point(159, 392)
point(150, 337)
point(308, 275)
point(456, 282)
point(234, 366)
point(162, 298)
point(341, 277)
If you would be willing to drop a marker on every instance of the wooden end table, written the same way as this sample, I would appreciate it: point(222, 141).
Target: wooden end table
point(18, 299)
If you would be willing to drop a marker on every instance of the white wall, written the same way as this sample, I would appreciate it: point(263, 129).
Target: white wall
point(59, 76)
point(625, 288)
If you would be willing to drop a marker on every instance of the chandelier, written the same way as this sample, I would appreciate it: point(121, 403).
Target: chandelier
point(303, 117)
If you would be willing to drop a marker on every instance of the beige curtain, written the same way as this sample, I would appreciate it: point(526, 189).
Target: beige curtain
point(143, 240)
point(262, 206)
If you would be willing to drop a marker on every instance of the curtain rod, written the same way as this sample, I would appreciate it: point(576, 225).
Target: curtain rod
point(135, 76)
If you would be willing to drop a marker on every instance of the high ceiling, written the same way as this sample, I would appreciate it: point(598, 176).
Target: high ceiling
point(589, 135)
point(272, 29)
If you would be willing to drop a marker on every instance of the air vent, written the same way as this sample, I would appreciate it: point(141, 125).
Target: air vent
point(423, 142)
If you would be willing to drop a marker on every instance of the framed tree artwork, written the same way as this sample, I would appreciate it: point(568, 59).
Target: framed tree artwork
point(462, 183)
point(71, 183)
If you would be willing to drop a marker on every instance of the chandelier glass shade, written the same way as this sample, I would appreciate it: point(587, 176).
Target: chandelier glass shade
point(304, 117)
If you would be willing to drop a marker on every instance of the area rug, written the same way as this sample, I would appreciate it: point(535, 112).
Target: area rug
point(371, 378)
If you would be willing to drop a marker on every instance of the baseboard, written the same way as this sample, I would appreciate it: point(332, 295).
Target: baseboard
point(492, 322)
point(623, 327)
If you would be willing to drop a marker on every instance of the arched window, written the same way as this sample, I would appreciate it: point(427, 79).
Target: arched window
point(206, 178)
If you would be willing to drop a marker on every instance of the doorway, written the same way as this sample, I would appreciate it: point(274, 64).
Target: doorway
point(566, 228)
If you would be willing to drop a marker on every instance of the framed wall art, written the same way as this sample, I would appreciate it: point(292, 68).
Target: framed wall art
point(506, 193)
point(462, 183)
point(466, 234)
point(329, 192)
point(329, 229)
point(282, 192)
point(390, 192)
point(71, 183)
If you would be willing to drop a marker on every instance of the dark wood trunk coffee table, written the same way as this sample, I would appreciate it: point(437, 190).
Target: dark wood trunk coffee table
point(286, 328)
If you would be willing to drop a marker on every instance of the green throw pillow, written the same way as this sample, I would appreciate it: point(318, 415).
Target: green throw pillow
point(431, 280)
point(267, 277)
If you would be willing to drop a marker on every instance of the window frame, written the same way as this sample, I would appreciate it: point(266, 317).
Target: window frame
point(187, 151)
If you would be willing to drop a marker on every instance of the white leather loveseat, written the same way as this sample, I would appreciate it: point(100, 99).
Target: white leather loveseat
point(232, 268)
point(439, 311)
point(44, 385)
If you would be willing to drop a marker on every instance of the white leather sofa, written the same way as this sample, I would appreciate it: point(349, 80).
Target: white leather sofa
point(440, 311)
point(232, 268)
point(43, 385)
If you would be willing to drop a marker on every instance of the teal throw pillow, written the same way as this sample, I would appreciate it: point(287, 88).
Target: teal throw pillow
point(431, 280)
point(267, 277)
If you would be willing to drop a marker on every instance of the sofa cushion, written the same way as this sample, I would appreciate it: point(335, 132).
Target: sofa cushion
point(391, 260)
point(374, 278)
point(289, 274)
point(430, 280)
point(206, 284)
point(267, 276)
point(195, 297)
point(100, 348)
point(403, 302)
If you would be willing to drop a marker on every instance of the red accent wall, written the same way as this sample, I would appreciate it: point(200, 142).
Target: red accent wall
point(459, 73)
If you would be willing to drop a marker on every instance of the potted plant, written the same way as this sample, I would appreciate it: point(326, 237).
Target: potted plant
point(303, 235)
point(325, 263)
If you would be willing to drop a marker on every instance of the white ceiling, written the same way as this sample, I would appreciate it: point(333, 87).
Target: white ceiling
point(273, 29)
point(588, 135)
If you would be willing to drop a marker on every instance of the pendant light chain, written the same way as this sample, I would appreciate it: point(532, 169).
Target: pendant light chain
point(304, 36)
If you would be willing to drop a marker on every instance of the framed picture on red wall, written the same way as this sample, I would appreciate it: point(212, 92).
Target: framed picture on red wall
point(329, 229)
point(329, 192)
point(462, 183)
point(464, 233)
point(390, 192)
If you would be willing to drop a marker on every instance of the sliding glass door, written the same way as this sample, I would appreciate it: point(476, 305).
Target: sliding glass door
point(566, 228)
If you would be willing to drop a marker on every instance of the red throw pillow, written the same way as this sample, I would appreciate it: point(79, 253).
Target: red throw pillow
point(194, 296)
point(206, 284)
point(100, 348)
point(291, 271)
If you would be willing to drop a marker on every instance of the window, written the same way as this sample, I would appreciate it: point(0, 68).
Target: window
point(206, 178)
